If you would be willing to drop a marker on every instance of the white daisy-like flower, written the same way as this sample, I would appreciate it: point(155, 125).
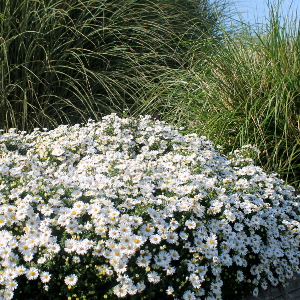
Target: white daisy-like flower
point(183, 235)
point(12, 285)
point(8, 294)
point(211, 241)
point(2, 220)
point(143, 261)
point(170, 290)
point(147, 230)
point(155, 239)
point(41, 260)
point(169, 270)
point(120, 290)
point(240, 275)
point(174, 254)
point(114, 233)
point(140, 286)
point(58, 151)
point(153, 277)
point(32, 273)
point(76, 194)
point(20, 270)
point(71, 280)
point(172, 237)
point(189, 295)
point(76, 259)
point(45, 277)
point(190, 224)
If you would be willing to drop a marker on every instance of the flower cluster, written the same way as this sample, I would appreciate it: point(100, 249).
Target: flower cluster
point(144, 207)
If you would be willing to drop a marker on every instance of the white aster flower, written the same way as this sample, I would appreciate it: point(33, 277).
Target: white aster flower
point(189, 295)
point(71, 280)
point(45, 277)
point(153, 277)
point(170, 290)
point(155, 239)
point(32, 273)
point(120, 290)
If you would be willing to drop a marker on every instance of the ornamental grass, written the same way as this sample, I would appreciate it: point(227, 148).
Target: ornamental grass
point(244, 91)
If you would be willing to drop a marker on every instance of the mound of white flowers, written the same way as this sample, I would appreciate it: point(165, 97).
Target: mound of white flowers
point(132, 208)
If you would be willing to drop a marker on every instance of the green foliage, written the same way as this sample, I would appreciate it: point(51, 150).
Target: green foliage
point(65, 62)
point(246, 91)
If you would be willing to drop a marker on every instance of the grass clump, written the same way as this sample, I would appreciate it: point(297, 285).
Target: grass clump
point(246, 91)
point(63, 62)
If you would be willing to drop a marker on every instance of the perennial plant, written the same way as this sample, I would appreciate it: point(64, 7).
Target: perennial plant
point(132, 208)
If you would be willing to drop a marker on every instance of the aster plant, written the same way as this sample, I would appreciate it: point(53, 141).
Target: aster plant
point(131, 208)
